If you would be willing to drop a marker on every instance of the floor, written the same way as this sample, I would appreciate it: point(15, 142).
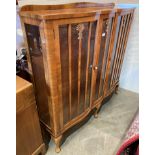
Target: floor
point(102, 136)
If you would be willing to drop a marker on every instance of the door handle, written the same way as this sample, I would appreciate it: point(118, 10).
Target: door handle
point(95, 68)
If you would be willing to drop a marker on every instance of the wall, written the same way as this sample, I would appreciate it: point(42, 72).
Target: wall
point(129, 78)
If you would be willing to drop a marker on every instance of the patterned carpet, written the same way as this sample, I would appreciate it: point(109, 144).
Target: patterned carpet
point(130, 144)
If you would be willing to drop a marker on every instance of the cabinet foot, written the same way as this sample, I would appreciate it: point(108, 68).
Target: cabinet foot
point(58, 144)
point(96, 112)
point(57, 149)
point(96, 115)
point(116, 89)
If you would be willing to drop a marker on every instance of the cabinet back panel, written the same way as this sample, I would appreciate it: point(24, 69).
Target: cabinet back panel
point(33, 39)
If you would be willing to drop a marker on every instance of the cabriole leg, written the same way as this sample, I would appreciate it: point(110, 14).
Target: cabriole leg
point(116, 89)
point(96, 112)
point(58, 144)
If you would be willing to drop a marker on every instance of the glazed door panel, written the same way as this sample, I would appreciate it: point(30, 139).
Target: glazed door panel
point(76, 40)
point(100, 68)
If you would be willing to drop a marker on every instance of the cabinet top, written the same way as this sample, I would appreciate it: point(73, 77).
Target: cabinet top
point(68, 10)
point(21, 84)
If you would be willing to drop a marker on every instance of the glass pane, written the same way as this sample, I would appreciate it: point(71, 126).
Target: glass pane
point(33, 38)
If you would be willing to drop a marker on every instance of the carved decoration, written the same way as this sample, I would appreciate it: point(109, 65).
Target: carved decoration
point(107, 25)
point(80, 28)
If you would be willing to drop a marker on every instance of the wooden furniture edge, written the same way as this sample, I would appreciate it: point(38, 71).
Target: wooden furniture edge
point(40, 149)
point(68, 6)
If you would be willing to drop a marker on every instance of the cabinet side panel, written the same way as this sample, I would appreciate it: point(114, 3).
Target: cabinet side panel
point(34, 45)
point(114, 52)
point(119, 48)
point(123, 48)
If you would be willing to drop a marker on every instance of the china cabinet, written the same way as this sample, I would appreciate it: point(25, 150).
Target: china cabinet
point(75, 53)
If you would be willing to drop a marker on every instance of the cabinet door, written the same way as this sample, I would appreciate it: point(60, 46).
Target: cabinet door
point(76, 38)
point(100, 67)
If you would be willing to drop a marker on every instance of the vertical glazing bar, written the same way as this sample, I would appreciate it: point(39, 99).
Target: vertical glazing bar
point(79, 69)
point(87, 67)
point(70, 69)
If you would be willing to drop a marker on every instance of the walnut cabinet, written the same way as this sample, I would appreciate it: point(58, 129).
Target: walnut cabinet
point(75, 53)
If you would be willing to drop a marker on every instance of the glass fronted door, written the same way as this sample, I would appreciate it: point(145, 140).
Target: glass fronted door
point(76, 41)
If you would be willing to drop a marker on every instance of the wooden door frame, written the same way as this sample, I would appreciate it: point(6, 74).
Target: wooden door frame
point(97, 102)
point(56, 24)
